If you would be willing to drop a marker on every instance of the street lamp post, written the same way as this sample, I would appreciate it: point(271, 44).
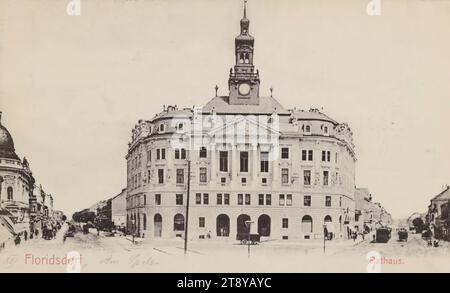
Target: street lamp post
point(187, 207)
point(248, 224)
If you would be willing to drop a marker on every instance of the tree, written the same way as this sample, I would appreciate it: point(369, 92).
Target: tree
point(418, 224)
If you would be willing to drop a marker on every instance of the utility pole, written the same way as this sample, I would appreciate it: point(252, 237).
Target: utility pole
point(187, 206)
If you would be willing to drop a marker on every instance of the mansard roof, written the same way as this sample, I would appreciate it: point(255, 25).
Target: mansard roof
point(267, 105)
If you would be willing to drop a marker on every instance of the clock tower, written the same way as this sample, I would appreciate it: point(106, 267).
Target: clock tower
point(244, 80)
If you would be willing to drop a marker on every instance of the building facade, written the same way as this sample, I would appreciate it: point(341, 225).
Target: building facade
point(22, 200)
point(438, 216)
point(16, 183)
point(119, 209)
point(254, 165)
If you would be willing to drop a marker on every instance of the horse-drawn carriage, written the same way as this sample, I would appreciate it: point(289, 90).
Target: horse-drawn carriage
point(247, 238)
point(48, 232)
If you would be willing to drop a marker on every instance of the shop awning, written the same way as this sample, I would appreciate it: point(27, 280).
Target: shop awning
point(8, 224)
point(5, 234)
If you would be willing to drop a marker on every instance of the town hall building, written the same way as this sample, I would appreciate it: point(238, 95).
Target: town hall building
point(254, 166)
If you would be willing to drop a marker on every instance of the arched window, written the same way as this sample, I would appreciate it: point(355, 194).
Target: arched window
point(327, 219)
point(247, 58)
point(307, 224)
point(9, 191)
point(178, 222)
point(325, 130)
point(241, 58)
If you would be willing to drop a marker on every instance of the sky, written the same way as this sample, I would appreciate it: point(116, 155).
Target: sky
point(73, 87)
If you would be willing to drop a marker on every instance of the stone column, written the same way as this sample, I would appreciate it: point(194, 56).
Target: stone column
point(213, 163)
point(255, 162)
point(235, 161)
point(275, 166)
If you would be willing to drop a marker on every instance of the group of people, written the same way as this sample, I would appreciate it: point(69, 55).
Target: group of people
point(48, 232)
point(24, 235)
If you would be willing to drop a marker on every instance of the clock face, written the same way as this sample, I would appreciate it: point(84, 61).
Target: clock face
point(244, 89)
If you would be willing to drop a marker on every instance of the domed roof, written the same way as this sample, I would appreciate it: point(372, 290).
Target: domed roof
point(7, 150)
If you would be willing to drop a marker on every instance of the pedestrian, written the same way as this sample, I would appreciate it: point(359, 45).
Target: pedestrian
point(25, 235)
point(17, 240)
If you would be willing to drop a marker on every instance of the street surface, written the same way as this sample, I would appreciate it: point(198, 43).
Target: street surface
point(118, 254)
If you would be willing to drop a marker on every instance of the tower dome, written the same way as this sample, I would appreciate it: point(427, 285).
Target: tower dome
point(7, 150)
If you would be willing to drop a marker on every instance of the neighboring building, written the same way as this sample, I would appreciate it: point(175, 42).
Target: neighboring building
point(97, 206)
point(119, 209)
point(363, 216)
point(438, 215)
point(16, 183)
point(289, 171)
point(22, 200)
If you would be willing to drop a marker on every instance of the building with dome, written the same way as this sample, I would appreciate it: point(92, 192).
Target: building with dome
point(248, 163)
point(16, 182)
point(22, 200)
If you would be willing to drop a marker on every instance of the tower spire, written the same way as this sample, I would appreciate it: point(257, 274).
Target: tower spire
point(245, 8)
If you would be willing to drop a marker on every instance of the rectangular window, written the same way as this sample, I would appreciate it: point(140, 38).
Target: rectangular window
point(247, 199)
point(285, 223)
point(177, 154)
point(219, 198)
point(285, 153)
point(201, 222)
point(205, 198)
point(282, 200)
point(180, 176)
point(198, 198)
point(336, 157)
point(226, 199)
point(307, 177)
point(149, 155)
point(203, 175)
point(145, 199)
point(328, 156)
point(158, 154)
point(163, 154)
point(304, 155)
point(264, 162)
point(179, 199)
point(284, 175)
point(268, 199)
point(310, 155)
point(223, 161)
point(158, 199)
point(183, 154)
point(161, 176)
point(289, 199)
point(244, 161)
point(149, 176)
point(307, 200)
point(324, 156)
point(328, 201)
point(203, 152)
point(240, 199)
point(261, 199)
point(325, 177)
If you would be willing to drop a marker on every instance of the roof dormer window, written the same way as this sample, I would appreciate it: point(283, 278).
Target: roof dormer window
point(161, 127)
point(307, 129)
point(325, 130)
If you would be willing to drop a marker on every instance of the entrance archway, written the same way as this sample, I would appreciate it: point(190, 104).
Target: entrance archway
point(158, 225)
point(264, 225)
point(243, 228)
point(178, 222)
point(223, 225)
